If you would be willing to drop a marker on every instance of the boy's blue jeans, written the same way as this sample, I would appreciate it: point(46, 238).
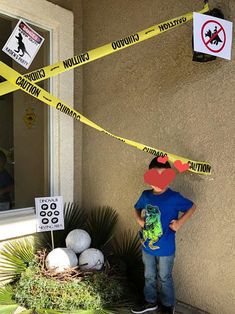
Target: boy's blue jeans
point(158, 269)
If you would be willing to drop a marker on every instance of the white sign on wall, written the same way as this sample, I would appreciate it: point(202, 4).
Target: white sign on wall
point(49, 213)
point(23, 44)
point(212, 35)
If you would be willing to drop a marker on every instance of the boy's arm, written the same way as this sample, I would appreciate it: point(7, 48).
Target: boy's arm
point(175, 225)
point(139, 219)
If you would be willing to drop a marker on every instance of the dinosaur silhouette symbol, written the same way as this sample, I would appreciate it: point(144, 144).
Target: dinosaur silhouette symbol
point(216, 39)
point(21, 46)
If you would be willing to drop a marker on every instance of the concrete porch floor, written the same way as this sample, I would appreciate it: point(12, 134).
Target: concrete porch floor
point(181, 308)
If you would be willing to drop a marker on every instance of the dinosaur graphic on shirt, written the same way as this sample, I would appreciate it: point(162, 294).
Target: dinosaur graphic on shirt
point(153, 228)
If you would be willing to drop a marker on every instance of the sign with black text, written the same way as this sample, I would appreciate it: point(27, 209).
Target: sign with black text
point(23, 44)
point(49, 213)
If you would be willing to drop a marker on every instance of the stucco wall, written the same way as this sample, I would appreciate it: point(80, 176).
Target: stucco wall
point(153, 93)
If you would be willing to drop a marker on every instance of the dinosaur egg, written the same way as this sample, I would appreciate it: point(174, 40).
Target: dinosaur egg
point(60, 259)
point(78, 240)
point(91, 259)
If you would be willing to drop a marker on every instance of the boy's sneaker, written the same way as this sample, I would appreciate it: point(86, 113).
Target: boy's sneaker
point(168, 309)
point(147, 307)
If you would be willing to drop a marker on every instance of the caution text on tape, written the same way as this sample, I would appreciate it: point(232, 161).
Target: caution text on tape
point(34, 90)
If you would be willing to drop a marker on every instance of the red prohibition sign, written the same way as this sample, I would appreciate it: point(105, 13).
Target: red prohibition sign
point(206, 43)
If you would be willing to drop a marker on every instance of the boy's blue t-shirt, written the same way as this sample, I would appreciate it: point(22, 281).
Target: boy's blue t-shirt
point(160, 209)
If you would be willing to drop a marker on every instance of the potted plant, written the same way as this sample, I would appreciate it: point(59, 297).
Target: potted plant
point(30, 288)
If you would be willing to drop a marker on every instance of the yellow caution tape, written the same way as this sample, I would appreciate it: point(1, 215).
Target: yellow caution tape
point(89, 56)
point(34, 90)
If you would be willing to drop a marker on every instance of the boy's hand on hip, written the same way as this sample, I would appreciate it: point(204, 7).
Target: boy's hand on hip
point(174, 225)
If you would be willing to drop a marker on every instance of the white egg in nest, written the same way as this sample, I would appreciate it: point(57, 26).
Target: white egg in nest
point(61, 259)
point(78, 240)
point(91, 259)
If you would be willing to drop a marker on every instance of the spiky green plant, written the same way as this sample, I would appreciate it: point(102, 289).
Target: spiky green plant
point(6, 295)
point(8, 309)
point(15, 256)
point(74, 218)
point(101, 225)
point(127, 253)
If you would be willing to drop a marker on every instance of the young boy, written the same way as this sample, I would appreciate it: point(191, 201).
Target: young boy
point(159, 224)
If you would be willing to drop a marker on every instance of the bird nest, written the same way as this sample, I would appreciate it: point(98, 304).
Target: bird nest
point(69, 274)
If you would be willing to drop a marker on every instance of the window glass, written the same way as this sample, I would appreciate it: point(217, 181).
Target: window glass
point(24, 132)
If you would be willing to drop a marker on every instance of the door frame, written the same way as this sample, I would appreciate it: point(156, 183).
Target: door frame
point(59, 22)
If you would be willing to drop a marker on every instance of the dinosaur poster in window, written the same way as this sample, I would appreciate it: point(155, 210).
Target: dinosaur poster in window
point(23, 44)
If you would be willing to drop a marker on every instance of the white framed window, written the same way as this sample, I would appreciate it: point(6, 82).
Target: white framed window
point(37, 139)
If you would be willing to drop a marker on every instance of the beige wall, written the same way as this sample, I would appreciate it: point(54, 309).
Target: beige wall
point(153, 93)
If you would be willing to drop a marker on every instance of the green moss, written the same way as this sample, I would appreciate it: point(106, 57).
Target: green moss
point(97, 291)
